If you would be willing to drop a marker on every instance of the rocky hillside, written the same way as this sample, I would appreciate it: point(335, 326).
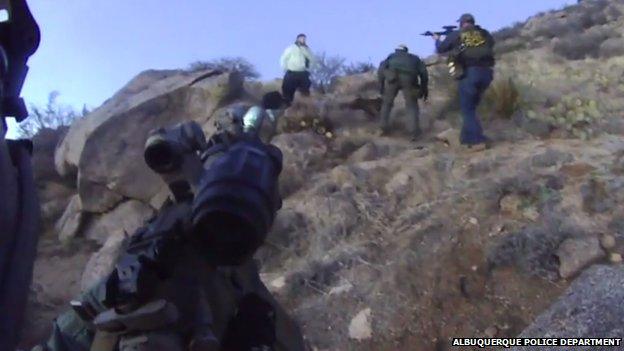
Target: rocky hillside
point(385, 244)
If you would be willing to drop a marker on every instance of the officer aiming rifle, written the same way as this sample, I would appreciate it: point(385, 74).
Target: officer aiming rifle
point(455, 68)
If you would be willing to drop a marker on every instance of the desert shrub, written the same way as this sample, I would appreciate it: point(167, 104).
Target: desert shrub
point(511, 45)
point(502, 99)
point(326, 69)
point(358, 68)
point(592, 13)
point(573, 19)
point(557, 28)
point(509, 32)
point(532, 250)
point(51, 116)
point(329, 67)
point(580, 46)
point(228, 64)
point(612, 47)
point(612, 13)
point(577, 116)
point(510, 39)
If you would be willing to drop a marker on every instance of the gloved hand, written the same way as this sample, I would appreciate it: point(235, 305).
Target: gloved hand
point(424, 94)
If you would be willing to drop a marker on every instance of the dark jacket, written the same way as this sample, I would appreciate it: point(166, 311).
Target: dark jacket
point(403, 62)
point(475, 44)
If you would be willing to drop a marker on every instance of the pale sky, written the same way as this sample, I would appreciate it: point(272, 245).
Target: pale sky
point(91, 48)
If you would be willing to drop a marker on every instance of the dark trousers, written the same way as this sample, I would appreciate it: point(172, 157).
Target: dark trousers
point(471, 89)
point(293, 81)
point(405, 83)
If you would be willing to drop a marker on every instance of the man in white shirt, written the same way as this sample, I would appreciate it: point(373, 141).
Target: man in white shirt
point(296, 60)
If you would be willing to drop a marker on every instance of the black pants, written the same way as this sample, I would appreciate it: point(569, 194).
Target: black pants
point(293, 81)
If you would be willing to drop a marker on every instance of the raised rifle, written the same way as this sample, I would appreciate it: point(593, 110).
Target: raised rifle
point(19, 205)
point(453, 61)
point(447, 30)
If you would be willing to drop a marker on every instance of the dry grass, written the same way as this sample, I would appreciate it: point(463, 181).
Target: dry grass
point(502, 99)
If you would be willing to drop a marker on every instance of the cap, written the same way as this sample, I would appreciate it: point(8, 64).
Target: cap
point(402, 47)
point(466, 17)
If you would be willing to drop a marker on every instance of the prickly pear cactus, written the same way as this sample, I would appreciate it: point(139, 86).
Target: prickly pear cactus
point(576, 115)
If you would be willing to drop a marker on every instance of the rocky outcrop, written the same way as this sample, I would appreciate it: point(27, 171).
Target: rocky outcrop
point(54, 198)
point(140, 88)
point(591, 307)
point(576, 254)
point(103, 261)
point(127, 217)
point(104, 146)
point(69, 225)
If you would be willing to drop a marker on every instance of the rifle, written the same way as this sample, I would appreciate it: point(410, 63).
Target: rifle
point(447, 30)
point(225, 197)
point(453, 62)
point(19, 205)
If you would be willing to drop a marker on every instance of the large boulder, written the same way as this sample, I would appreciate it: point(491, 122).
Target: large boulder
point(591, 307)
point(106, 147)
point(70, 223)
point(134, 93)
point(54, 198)
point(127, 217)
point(576, 254)
point(102, 262)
